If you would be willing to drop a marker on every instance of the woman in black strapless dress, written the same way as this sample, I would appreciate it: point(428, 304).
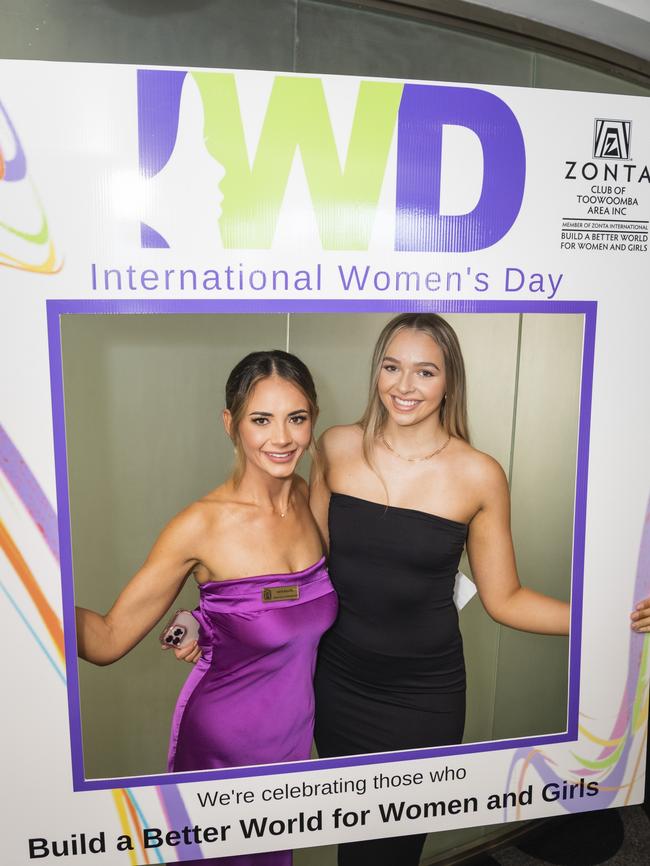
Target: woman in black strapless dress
point(400, 495)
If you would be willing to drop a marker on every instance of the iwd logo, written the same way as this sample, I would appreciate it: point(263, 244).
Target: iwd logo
point(25, 242)
point(345, 193)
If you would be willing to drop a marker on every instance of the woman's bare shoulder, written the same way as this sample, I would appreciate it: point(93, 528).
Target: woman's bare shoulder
point(180, 538)
point(340, 438)
point(478, 468)
point(205, 514)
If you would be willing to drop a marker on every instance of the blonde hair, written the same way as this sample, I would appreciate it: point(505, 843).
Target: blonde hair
point(245, 376)
point(453, 410)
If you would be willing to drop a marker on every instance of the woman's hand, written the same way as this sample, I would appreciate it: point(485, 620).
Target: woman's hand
point(640, 616)
point(190, 653)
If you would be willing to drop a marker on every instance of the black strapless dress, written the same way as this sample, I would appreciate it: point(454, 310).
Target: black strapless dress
point(390, 673)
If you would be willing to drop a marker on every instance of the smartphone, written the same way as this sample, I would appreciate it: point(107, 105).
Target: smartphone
point(181, 629)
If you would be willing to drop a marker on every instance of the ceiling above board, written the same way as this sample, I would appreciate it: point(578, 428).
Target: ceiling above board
point(621, 24)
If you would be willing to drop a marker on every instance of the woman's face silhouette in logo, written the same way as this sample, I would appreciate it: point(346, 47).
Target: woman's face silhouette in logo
point(181, 204)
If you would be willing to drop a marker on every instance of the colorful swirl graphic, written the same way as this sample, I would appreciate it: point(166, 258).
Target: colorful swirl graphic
point(13, 170)
point(20, 488)
point(616, 766)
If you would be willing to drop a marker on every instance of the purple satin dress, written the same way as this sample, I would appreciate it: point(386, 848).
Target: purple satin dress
point(250, 698)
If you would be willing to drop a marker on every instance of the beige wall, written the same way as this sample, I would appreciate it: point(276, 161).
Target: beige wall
point(143, 395)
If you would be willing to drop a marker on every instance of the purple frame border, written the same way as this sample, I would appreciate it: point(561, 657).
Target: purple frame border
point(56, 308)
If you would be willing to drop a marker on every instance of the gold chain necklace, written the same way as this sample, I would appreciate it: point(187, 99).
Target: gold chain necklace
point(415, 459)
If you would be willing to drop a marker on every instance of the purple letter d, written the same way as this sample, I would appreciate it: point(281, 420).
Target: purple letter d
point(424, 110)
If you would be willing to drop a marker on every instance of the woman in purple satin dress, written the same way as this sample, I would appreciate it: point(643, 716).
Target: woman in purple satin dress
point(265, 598)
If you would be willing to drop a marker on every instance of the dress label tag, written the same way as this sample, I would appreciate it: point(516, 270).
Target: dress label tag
point(280, 593)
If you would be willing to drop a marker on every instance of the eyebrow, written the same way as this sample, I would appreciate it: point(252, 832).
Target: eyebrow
point(417, 363)
point(270, 414)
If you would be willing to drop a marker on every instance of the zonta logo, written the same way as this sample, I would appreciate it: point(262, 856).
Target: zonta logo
point(344, 193)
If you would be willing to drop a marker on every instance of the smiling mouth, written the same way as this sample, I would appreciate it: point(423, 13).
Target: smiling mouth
point(404, 405)
point(280, 456)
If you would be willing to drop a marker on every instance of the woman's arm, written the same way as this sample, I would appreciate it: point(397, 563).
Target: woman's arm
point(102, 639)
point(492, 559)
